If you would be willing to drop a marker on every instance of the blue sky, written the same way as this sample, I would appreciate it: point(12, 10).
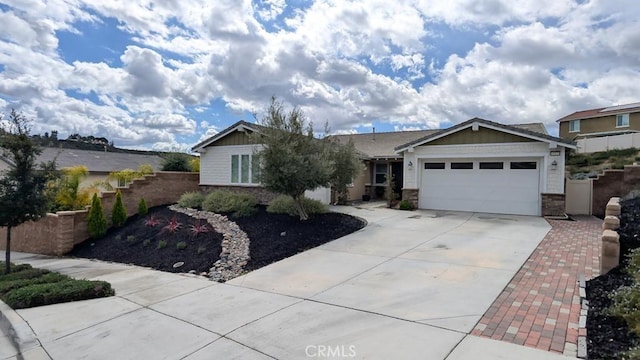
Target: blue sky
point(166, 75)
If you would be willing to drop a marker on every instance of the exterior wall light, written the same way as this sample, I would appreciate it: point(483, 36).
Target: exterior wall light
point(410, 165)
point(554, 165)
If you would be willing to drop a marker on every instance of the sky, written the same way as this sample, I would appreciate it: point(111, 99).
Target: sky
point(167, 74)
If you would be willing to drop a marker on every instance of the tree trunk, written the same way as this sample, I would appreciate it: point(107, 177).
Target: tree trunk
point(301, 211)
point(7, 252)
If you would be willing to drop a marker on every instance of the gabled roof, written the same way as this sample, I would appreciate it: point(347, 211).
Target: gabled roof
point(380, 145)
point(240, 125)
point(98, 161)
point(522, 130)
point(602, 112)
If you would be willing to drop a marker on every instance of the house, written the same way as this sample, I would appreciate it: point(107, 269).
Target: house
point(484, 166)
point(99, 163)
point(599, 122)
point(227, 162)
point(478, 165)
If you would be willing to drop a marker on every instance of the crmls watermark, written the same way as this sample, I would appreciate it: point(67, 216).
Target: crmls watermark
point(330, 351)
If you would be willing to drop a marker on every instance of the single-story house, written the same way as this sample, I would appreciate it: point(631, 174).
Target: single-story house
point(99, 163)
point(599, 122)
point(478, 165)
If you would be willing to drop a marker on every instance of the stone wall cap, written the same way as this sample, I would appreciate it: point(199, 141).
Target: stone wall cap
point(610, 234)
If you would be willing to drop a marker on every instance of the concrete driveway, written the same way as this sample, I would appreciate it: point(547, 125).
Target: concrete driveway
point(409, 285)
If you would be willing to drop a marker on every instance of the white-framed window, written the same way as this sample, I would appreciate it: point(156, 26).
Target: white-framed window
point(380, 173)
point(245, 169)
point(622, 120)
point(574, 126)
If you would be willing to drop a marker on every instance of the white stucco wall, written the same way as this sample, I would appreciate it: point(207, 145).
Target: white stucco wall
point(215, 163)
point(554, 178)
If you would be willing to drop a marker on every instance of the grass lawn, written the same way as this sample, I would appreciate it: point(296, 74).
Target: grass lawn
point(26, 287)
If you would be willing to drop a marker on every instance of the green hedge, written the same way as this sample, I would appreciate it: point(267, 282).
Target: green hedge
point(58, 292)
point(284, 204)
point(27, 287)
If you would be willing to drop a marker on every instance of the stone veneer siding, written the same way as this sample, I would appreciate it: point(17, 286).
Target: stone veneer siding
point(411, 195)
point(553, 204)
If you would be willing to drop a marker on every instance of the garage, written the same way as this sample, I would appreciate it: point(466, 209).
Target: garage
point(502, 186)
point(484, 166)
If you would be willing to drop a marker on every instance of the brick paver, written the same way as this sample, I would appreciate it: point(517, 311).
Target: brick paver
point(540, 307)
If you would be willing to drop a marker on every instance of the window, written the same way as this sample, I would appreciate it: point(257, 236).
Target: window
point(523, 165)
point(461, 165)
point(245, 169)
point(380, 175)
point(574, 126)
point(434, 166)
point(622, 120)
point(492, 165)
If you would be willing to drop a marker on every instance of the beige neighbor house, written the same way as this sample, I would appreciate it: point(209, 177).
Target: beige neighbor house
point(599, 122)
point(478, 165)
point(99, 163)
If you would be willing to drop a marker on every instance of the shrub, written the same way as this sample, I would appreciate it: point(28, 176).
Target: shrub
point(173, 225)
point(131, 240)
point(96, 221)
point(626, 305)
point(118, 213)
point(14, 267)
point(191, 200)
point(162, 244)
point(146, 242)
point(406, 205)
point(284, 204)
point(142, 207)
point(198, 228)
point(46, 278)
point(201, 250)
point(181, 245)
point(225, 201)
point(152, 221)
point(58, 292)
point(176, 161)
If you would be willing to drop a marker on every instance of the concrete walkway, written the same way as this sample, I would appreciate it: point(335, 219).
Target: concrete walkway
point(540, 307)
point(409, 285)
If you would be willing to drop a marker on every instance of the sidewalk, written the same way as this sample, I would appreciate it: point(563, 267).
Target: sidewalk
point(540, 307)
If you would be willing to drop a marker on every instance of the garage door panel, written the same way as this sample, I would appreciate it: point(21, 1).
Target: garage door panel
point(511, 191)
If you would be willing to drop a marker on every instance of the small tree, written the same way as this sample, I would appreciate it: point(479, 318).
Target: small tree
point(23, 195)
point(142, 207)
point(96, 220)
point(118, 213)
point(292, 159)
point(346, 166)
point(194, 164)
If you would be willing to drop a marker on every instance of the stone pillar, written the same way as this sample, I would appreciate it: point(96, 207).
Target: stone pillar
point(610, 255)
point(613, 207)
point(64, 241)
point(611, 223)
point(411, 195)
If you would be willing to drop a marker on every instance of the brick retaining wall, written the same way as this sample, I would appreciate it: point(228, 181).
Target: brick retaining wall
point(56, 234)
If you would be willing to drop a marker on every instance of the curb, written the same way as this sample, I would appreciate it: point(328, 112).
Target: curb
point(582, 324)
point(20, 333)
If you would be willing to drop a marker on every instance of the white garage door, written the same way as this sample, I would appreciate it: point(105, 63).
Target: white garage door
point(501, 186)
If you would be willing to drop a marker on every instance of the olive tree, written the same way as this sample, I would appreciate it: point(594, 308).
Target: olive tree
point(293, 160)
point(23, 188)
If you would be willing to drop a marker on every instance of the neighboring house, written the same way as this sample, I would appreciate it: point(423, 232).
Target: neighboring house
point(478, 165)
point(5, 164)
point(607, 121)
point(99, 163)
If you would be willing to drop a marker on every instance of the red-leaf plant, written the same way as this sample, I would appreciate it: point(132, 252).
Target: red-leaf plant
point(173, 225)
point(152, 221)
point(199, 228)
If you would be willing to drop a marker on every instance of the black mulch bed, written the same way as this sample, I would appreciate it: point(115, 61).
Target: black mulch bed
point(274, 237)
point(200, 253)
point(607, 336)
